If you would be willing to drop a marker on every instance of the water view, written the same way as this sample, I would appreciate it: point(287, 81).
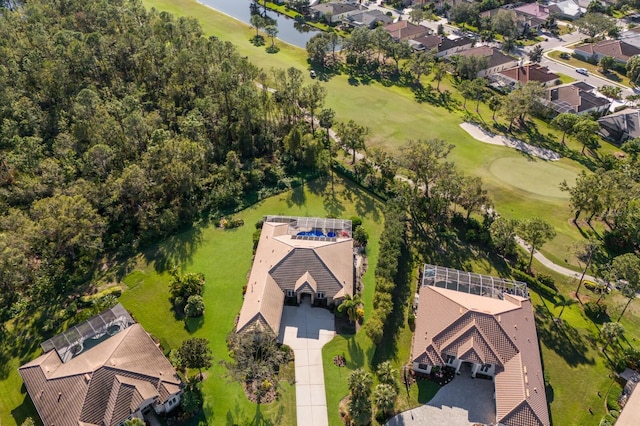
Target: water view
point(289, 30)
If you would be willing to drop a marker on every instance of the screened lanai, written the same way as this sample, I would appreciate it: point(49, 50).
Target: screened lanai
point(472, 283)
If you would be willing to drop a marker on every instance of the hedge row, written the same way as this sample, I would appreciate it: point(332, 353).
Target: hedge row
point(533, 283)
point(391, 241)
point(88, 299)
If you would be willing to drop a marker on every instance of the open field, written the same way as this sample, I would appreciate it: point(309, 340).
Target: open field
point(379, 106)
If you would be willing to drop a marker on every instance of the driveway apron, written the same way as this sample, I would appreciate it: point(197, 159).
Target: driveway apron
point(306, 330)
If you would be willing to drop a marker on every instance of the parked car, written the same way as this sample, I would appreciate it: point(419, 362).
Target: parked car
point(582, 71)
point(312, 73)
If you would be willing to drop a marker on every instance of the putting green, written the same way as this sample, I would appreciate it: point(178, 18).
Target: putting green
point(534, 176)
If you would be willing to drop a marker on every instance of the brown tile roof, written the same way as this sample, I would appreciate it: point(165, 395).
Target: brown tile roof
point(495, 57)
point(283, 262)
point(530, 72)
point(615, 48)
point(101, 385)
point(572, 98)
point(403, 30)
point(486, 330)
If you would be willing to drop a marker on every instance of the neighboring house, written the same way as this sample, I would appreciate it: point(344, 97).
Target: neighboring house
point(125, 375)
point(576, 98)
point(496, 60)
point(331, 11)
point(405, 30)
point(296, 258)
point(524, 21)
point(443, 46)
point(617, 49)
point(630, 399)
point(621, 125)
point(631, 37)
point(568, 9)
point(523, 74)
point(489, 324)
point(365, 18)
point(534, 10)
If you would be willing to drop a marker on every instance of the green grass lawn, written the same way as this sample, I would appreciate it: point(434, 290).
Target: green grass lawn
point(224, 256)
point(612, 75)
point(394, 116)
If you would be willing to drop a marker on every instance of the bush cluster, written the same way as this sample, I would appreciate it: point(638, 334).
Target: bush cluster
point(392, 239)
point(542, 289)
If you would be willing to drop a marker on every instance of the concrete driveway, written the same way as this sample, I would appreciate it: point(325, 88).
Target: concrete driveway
point(462, 402)
point(306, 330)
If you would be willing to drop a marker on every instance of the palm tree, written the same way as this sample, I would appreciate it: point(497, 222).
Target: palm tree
point(387, 374)
point(360, 382)
point(610, 331)
point(384, 397)
point(439, 72)
point(350, 306)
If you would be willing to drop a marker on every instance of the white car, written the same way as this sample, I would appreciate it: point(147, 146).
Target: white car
point(582, 71)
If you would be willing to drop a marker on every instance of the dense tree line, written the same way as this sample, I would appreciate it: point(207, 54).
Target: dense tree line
point(119, 126)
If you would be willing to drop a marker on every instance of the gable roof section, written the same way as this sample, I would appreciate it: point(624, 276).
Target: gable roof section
point(572, 98)
point(615, 48)
point(495, 57)
point(530, 72)
point(621, 123)
point(486, 330)
point(99, 385)
point(367, 17)
point(333, 8)
point(403, 30)
point(282, 262)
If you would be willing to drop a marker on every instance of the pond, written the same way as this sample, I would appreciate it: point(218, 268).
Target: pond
point(289, 30)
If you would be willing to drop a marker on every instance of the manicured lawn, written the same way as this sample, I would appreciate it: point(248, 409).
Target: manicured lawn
point(224, 256)
point(394, 116)
point(612, 75)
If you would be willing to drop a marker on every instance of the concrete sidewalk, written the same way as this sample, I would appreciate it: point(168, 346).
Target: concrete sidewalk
point(306, 330)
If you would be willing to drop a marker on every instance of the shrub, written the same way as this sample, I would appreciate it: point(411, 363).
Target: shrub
point(355, 222)
point(115, 291)
point(533, 283)
point(194, 307)
point(547, 280)
point(594, 309)
point(361, 236)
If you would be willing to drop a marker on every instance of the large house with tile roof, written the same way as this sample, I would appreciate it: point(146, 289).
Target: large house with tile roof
point(297, 258)
point(617, 49)
point(101, 372)
point(487, 323)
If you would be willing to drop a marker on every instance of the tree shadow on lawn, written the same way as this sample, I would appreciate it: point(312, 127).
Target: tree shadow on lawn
point(365, 204)
point(562, 338)
point(25, 410)
point(175, 250)
point(193, 324)
point(297, 196)
point(355, 358)
point(238, 417)
point(388, 347)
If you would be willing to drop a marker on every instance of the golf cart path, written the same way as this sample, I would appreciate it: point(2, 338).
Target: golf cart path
point(479, 134)
point(553, 266)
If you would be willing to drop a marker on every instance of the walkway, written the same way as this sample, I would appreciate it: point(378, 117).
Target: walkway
point(462, 402)
point(553, 266)
point(306, 330)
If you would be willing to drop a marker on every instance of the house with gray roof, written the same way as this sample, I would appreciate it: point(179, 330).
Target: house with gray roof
point(365, 18)
point(101, 372)
point(577, 98)
point(297, 258)
point(487, 323)
point(621, 125)
point(496, 60)
point(617, 49)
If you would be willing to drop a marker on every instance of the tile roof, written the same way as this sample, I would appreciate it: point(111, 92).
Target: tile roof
point(495, 57)
point(534, 9)
point(482, 329)
point(530, 72)
point(283, 262)
point(367, 17)
point(572, 98)
point(102, 385)
point(403, 30)
point(615, 48)
point(333, 8)
point(622, 123)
